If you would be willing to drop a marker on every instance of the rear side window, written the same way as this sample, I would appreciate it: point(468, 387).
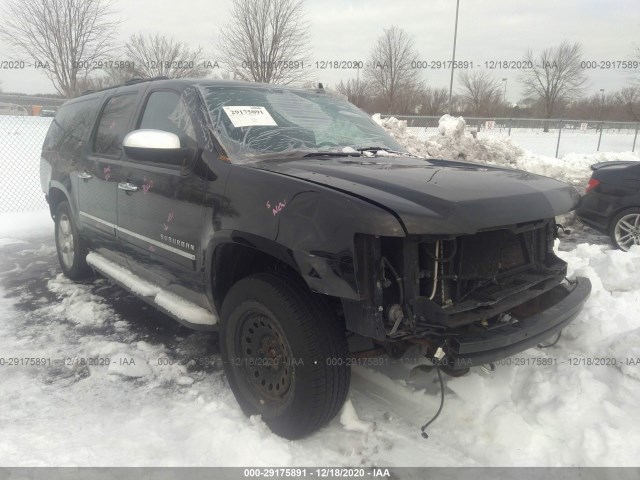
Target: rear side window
point(167, 111)
point(69, 129)
point(113, 124)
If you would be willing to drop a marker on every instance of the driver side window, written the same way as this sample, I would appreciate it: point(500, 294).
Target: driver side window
point(167, 111)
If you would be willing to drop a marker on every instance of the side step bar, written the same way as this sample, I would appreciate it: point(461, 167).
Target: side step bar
point(169, 303)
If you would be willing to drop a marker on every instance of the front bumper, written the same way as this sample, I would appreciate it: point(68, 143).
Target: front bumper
point(561, 305)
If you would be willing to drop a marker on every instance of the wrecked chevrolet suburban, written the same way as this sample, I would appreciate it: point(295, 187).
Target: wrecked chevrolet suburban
point(293, 224)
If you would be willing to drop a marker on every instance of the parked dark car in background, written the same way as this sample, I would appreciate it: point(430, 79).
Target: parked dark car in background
point(291, 222)
point(611, 204)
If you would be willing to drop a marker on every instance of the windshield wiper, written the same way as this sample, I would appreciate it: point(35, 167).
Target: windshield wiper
point(299, 153)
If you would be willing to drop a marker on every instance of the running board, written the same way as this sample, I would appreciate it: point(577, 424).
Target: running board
point(177, 307)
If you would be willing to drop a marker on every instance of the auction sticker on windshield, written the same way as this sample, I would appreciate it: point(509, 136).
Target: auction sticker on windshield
point(241, 116)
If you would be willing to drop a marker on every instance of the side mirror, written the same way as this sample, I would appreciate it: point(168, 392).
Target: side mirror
point(155, 146)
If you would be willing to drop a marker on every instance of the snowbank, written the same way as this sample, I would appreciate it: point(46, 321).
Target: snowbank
point(455, 142)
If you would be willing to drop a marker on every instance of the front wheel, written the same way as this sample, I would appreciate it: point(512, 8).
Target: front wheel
point(625, 229)
point(284, 354)
point(70, 246)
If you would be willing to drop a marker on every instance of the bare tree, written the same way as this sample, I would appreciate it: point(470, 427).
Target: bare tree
point(65, 38)
point(481, 93)
point(555, 76)
point(356, 90)
point(266, 41)
point(629, 98)
point(159, 55)
point(390, 71)
point(434, 101)
point(407, 102)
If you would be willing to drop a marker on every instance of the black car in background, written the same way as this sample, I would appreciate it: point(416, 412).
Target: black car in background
point(293, 224)
point(611, 204)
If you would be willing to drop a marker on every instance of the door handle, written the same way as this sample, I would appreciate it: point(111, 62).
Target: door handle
point(128, 187)
point(85, 175)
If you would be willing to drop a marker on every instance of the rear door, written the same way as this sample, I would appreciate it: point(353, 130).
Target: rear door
point(160, 205)
point(100, 169)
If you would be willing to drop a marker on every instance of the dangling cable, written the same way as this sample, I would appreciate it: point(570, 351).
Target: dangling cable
point(424, 427)
point(540, 345)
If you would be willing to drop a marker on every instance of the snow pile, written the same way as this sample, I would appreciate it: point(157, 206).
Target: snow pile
point(610, 323)
point(454, 127)
point(77, 304)
point(454, 142)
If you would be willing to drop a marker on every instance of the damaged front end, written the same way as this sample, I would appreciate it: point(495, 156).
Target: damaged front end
point(479, 297)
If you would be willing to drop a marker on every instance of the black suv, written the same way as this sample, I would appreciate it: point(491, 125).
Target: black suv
point(294, 224)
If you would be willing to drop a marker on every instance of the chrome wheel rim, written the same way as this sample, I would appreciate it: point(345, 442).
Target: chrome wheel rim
point(627, 231)
point(66, 244)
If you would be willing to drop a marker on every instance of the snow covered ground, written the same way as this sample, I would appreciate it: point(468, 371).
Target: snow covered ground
point(163, 399)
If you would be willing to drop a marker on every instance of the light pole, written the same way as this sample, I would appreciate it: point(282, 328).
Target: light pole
point(601, 117)
point(504, 93)
point(453, 62)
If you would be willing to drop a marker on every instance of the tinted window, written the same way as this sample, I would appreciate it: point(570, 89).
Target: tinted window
point(70, 127)
point(167, 111)
point(113, 124)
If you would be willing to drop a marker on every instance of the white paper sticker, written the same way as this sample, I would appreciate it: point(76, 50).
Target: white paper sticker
point(242, 116)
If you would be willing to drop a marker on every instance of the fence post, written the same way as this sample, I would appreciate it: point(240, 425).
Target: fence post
point(633, 149)
point(559, 133)
point(509, 123)
point(600, 137)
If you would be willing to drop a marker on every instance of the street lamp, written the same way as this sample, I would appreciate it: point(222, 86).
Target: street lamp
point(455, 37)
point(504, 94)
point(601, 103)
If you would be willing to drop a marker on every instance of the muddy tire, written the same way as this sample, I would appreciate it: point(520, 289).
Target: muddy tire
point(284, 353)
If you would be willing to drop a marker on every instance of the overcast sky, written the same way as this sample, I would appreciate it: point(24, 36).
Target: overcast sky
point(346, 30)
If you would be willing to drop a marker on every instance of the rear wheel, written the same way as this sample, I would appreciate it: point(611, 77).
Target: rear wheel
point(284, 353)
point(625, 229)
point(70, 246)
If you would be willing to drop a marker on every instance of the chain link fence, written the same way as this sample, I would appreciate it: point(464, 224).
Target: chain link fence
point(21, 139)
point(563, 136)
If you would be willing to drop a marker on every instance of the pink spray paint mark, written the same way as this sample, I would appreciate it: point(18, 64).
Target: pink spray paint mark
point(278, 208)
point(147, 185)
point(165, 226)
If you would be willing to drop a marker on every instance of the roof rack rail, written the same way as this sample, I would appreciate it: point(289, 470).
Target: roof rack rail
point(132, 81)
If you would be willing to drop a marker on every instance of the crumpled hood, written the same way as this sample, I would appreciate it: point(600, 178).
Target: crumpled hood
point(437, 196)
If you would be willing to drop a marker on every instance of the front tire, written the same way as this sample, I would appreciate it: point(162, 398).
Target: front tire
point(72, 252)
point(625, 229)
point(284, 353)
